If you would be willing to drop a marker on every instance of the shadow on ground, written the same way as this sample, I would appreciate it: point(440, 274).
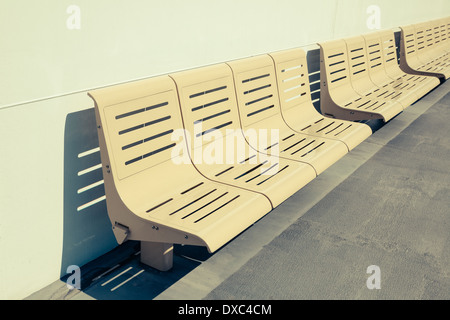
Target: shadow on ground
point(119, 274)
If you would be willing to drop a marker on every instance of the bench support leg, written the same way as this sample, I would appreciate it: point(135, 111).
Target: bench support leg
point(157, 255)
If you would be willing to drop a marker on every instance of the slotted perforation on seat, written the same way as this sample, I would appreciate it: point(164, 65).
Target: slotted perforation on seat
point(327, 127)
point(303, 147)
point(299, 146)
point(375, 105)
point(217, 208)
point(341, 130)
point(159, 205)
point(311, 149)
point(206, 205)
point(251, 172)
point(254, 175)
point(199, 203)
point(191, 203)
point(292, 143)
point(192, 188)
point(272, 175)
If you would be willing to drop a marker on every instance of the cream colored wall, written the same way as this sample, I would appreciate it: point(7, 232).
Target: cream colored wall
point(46, 69)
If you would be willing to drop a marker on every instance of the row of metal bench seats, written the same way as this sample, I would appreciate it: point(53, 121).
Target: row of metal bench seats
point(196, 157)
point(425, 48)
point(361, 78)
point(151, 132)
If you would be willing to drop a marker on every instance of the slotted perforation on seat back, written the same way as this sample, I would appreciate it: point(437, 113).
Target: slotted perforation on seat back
point(436, 33)
point(443, 31)
point(358, 62)
point(389, 50)
point(335, 59)
point(421, 37)
point(431, 36)
point(375, 58)
point(292, 78)
point(448, 29)
point(409, 41)
point(208, 102)
point(425, 38)
point(139, 119)
point(256, 89)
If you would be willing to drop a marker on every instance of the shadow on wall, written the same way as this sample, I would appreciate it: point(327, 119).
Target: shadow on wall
point(87, 229)
point(313, 60)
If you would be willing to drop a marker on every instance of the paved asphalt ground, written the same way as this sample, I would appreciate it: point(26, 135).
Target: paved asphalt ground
point(385, 204)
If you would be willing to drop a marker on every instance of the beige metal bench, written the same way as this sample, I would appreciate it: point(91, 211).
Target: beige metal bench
point(259, 108)
point(210, 114)
point(434, 50)
point(198, 156)
point(378, 76)
point(152, 194)
point(419, 85)
point(423, 49)
point(359, 64)
point(432, 43)
point(339, 98)
point(297, 108)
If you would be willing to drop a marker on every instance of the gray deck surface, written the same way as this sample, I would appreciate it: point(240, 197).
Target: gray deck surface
point(386, 203)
